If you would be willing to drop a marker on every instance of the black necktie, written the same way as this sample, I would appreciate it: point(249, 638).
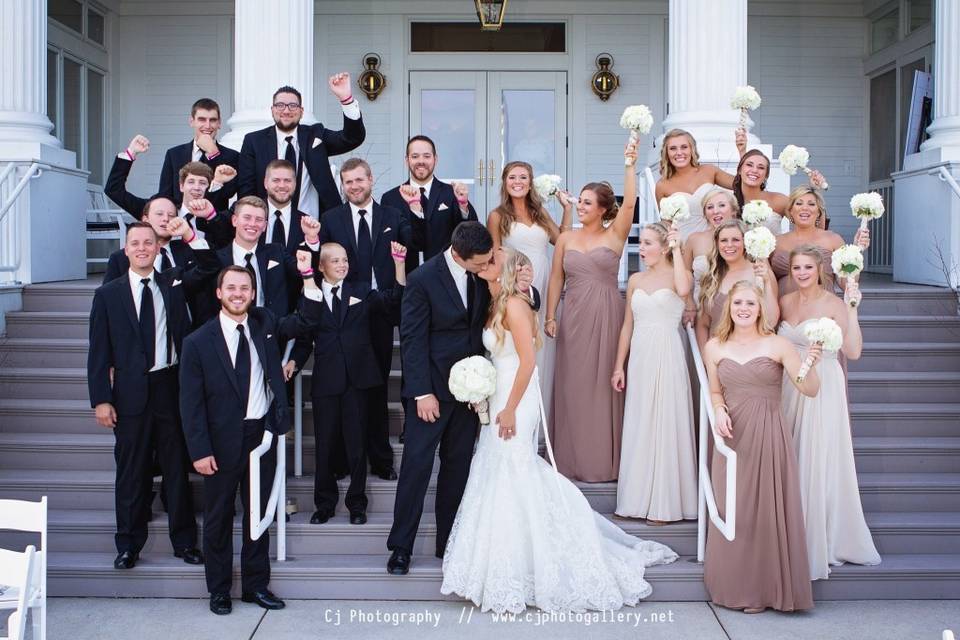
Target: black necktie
point(279, 231)
point(336, 302)
point(165, 260)
point(471, 290)
point(248, 265)
point(423, 200)
point(364, 248)
point(189, 218)
point(241, 366)
point(290, 155)
point(148, 324)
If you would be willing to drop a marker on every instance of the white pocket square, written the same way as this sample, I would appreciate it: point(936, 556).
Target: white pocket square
point(316, 143)
point(443, 207)
point(176, 282)
point(388, 229)
point(353, 301)
point(269, 335)
point(271, 264)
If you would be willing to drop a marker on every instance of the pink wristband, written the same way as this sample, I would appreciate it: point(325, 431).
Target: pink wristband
point(193, 236)
point(417, 201)
point(213, 212)
point(347, 100)
point(307, 273)
point(130, 155)
point(463, 200)
point(214, 155)
point(399, 255)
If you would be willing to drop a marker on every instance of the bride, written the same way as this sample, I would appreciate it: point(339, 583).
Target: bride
point(524, 534)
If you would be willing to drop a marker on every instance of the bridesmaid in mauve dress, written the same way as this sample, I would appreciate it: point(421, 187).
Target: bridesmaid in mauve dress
point(765, 565)
point(587, 416)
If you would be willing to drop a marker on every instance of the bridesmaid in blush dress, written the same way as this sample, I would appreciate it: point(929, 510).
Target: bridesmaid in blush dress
point(587, 415)
point(765, 565)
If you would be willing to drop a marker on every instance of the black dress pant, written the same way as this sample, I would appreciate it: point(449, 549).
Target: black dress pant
point(219, 496)
point(340, 421)
point(138, 438)
point(455, 432)
point(379, 451)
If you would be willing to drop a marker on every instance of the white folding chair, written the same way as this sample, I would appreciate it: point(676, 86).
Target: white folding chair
point(23, 515)
point(17, 573)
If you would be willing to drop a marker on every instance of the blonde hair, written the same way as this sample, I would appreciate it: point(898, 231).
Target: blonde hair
point(725, 328)
point(803, 190)
point(661, 229)
point(731, 200)
point(666, 169)
point(535, 206)
point(812, 252)
point(716, 266)
point(512, 261)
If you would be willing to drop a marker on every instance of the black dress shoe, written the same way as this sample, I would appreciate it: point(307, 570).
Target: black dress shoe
point(190, 555)
point(399, 562)
point(386, 474)
point(319, 517)
point(220, 603)
point(358, 517)
point(264, 599)
point(126, 560)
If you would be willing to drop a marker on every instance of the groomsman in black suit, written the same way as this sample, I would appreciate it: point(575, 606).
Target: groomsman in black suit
point(232, 391)
point(366, 229)
point(429, 203)
point(283, 219)
point(205, 122)
point(307, 147)
point(137, 326)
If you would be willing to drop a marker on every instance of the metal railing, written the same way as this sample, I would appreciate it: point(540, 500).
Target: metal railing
point(11, 238)
point(706, 499)
point(879, 258)
point(276, 504)
point(942, 173)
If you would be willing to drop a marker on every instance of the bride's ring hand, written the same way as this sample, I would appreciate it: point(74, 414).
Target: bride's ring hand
point(507, 420)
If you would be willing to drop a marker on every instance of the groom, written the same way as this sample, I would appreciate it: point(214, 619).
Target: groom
point(444, 310)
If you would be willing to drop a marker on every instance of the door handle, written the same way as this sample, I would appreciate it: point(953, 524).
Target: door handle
point(480, 172)
point(491, 173)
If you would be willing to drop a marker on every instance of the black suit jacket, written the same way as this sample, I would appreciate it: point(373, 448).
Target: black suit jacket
point(115, 342)
point(316, 145)
point(343, 352)
point(435, 330)
point(277, 280)
point(180, 155)
point(294, 234)
point(386, 226)
point(211, 407)
point(430, 234)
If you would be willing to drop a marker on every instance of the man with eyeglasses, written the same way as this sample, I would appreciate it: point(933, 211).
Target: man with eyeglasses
point(306, 147)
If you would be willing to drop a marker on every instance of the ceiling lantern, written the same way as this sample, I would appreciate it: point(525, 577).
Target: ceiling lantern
point(491, 14)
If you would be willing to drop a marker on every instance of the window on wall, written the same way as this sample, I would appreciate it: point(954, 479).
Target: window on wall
point(75, 105)
point(883, 132)
point(81, 17)
point(920, 12)
point(884, 31)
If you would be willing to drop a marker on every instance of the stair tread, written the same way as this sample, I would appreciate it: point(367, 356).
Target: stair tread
point(906, 442)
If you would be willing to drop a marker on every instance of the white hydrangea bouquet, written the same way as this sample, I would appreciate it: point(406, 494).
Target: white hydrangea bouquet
point(867, 207)
point(756, 212)
point(745, 97)
point(473, 380)
point(793, 158)
point(674, 209)
point(637, 119)
point(547, 185)
point(759, 243)
point(848, 262)
point(824, 332)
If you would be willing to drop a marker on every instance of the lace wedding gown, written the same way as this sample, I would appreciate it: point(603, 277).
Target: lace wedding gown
point(524, 535)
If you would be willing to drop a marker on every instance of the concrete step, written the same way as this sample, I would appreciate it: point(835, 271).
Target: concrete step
point(48, 324)
point(73, 489)
point(910, 328)
point(904, 386)
point(363, 577)
point(908, 356)
point(905, 419)
point(44, 352)
point(879, 454)
point(893, 298)
point(74, 295)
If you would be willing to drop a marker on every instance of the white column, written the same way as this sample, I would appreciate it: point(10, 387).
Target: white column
point(23, 73)
point(272, 47)
point(945, 129)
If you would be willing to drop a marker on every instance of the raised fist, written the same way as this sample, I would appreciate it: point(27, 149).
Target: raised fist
point(177, 227)
point(200, 207)
point(411, 194)
point(207, 144)
point(304, 258)
point(224, 173)
point(311, 229)
point(462, 192)
point(399, 252)
point(139, 144)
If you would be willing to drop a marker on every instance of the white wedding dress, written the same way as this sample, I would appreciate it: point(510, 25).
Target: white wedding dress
point(524, 535)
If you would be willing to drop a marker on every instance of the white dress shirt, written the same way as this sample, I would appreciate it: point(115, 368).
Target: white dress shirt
point(355, 214)
point(197, 152)
point(160, 319)
point(459, 275)
point(272, 221)
point(239, 259)
point(327, 289)
point(259, 396)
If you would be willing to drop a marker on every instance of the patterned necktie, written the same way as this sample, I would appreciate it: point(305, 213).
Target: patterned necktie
point(148, 324)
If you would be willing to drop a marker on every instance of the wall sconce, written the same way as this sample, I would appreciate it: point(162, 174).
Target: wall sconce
point(491, 14)
point(604, 82)
point(371, 81)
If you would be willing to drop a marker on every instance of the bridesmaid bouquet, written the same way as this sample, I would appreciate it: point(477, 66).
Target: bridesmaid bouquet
point(848, 261)
point(744, 98)
point(637, 119)
point(825, 332)
point(547, 186)
point(867, 207)
point(793, 157)
point(759, 243)
point(756, 212)
point(473, 380)
point(674, 209)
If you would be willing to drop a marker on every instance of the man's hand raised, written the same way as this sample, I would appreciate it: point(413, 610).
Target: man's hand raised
point(311, 229)
point(224, 173)
point(339, 84)
point(139, 144)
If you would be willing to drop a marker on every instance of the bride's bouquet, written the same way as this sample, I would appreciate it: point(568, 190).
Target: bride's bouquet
point(473, 380)
point(756, 212)
point(825, 332)
point(745, 97)
point(866, 207)
point(674, 209)
point(547, 185)
point(793, 157)
point(637, 119)
point(759, 243)
point(848, 261)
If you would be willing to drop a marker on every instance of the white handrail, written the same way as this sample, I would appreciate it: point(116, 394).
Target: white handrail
point(298, 425)
point(34, 170)
point(943, 174)
point(276, 504)
point(707, 501)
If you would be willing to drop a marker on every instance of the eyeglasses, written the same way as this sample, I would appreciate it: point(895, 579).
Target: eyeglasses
point(286, 106)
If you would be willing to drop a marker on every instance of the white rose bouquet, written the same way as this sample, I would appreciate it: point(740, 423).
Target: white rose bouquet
point(756, 212)
point(744, 98)
point(793, 157)
point(674, 209)
point(547, 185)
point(867, 206)
point(473, 380)
point(759, 243)
point(637, 119)
point(825, 332)
point(848, 261)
